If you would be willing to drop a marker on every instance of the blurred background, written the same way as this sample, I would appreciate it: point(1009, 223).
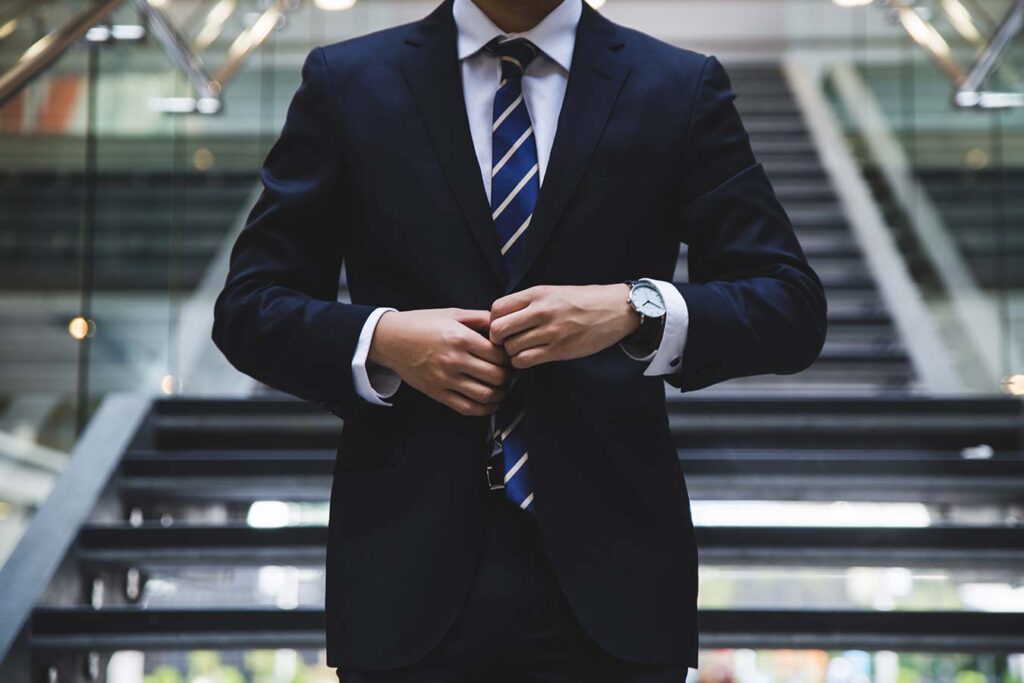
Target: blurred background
point(162, 518)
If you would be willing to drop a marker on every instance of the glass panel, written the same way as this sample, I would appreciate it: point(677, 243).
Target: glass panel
point(113, 211)
point(43, 166)
point(946, 177)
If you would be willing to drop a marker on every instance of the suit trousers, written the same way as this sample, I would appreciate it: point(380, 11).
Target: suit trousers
point(516, 625)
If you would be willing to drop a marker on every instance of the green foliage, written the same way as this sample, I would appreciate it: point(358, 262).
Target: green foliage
point(967, 676)
point(164, 674)
point(208, 665)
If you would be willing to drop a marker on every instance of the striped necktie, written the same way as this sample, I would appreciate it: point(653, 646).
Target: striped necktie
point(515, 184)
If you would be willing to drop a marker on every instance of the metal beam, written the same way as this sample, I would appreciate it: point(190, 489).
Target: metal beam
point(969, 93)
point(177, 50)
point(51, 46)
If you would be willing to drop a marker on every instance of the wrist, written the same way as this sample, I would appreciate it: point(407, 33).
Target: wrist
point(628, 316)
point(380, 353)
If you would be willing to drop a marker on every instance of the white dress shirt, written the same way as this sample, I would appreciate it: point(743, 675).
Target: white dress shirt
point(543, 85)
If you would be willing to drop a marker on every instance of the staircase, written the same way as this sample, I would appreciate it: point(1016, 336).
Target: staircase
point(983, 211)
point(177, 547)
point(152, 230)
point(965, 160)
point(187, 523)
point(863, 353)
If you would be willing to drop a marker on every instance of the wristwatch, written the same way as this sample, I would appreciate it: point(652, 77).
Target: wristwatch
point(646, 299)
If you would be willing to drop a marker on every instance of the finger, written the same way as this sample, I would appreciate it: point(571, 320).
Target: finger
point(485, 371)
point(465, 406)
point(482, 348)
point(473, 319)
point(478, 392)
point(514, 323)
point(512, 302)
point(535, 336)
point(531, 357)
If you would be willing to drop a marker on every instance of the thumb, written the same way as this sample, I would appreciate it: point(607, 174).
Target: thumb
point(476, 320)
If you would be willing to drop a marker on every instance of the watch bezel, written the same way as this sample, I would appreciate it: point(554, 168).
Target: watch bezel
point(646, 284)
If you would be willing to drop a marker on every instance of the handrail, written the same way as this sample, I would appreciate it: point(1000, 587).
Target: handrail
point(898, 290)
point(13, 13)
point(29, 569)
point(967, 84)
point(925, 34)
point(50, 47)
point(208, 90)
point(969, 93)
point(977, 315)
point(249, 41)
point(178, 51)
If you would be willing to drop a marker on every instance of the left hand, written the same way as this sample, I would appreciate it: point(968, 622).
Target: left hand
point(548, 323)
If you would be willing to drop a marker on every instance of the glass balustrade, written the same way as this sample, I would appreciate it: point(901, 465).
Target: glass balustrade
point(121, 189)
point(928, 98)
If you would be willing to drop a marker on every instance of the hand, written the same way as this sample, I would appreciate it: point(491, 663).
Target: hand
point(444, 353)
point(547, 323)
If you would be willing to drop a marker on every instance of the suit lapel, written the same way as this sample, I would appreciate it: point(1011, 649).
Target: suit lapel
point(595, 78)
point(432, 71)
point(596, 75)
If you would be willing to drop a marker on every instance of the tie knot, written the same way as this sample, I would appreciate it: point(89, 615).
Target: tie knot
point(515, 55)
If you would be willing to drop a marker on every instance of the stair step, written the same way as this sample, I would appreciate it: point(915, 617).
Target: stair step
point(120, 628)
point(239, 544)
point(777, 125)
point(812, 472)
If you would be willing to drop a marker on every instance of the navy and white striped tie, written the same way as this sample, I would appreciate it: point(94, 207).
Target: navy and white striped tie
point(515, 184)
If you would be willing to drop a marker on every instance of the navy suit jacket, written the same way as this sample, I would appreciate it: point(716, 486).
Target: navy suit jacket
point(375, 168)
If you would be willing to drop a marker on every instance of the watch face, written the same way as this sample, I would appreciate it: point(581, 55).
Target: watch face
point(647, 300)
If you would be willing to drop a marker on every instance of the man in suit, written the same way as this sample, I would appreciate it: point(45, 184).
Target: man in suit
point(507, 183)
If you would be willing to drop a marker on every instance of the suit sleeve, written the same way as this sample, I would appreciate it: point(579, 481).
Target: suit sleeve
point(755, 305)
point(277, 318)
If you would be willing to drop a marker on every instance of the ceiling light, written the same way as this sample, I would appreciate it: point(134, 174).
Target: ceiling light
point(334, 5)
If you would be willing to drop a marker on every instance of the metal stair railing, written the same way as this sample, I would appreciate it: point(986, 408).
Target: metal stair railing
point(48, 49)
point(905, 300)
point(208, 89)
point(968, 80)
point(28, 571)
point(974, 313)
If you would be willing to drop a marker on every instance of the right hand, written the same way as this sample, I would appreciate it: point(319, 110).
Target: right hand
point(445, 353)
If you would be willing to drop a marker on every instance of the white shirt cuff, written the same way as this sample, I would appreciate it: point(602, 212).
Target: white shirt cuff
point(666, 359)
point(374, 384)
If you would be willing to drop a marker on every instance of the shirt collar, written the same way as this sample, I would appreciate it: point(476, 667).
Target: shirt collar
point(555, 35)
